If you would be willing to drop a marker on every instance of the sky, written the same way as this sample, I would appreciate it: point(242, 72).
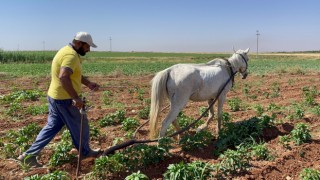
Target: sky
point(162, 25)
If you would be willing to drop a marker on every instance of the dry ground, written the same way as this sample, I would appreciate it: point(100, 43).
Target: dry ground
point(287, 164)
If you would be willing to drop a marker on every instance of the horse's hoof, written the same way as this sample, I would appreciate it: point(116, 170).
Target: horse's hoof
point(201, 128)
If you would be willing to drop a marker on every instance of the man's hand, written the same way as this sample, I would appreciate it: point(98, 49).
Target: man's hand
point(93, 86)
point(77, 102)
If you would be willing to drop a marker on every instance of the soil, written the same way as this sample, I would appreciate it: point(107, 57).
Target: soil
point(287, 164)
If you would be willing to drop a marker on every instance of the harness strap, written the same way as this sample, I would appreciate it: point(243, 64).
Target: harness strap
point(230, 69)
point(244, 59)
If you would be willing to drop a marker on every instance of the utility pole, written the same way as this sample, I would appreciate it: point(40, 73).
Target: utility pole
point(44, 45)
point(257, 42)
point(110, 43)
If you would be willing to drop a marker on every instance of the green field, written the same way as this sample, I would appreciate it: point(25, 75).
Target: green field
point(37, 63)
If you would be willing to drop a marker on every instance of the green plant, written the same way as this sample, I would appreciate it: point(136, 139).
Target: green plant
point(20, 140)
point(259, 109)
point(117, 140)
point(309, 174)
point(13, 109)
point(25, 166)
point(183, 121)
point(130, 124)
point(234, 161)
point(199, 140)
point(132, 158)
point(106, 97)
point(290, 82)
point(233, 134)
point(107, 121)
point(190, 171)
point(300, 134)
point(113, 119)
point(260, 151)
point(137, 176)
point(18, 96)
point(202, 109)
point(140, 92)
point(225, 118)
point(234, 103)
point(104, 164)
point(275, 90)
point(296, 113)
point(61, 154)
point(10, 150)
point(144, 113)
point(246, 89)
point(273, 107)
point(284, 140)
point(316, 110)
point(57, 174)
point(309, 95)
point(35, 110)
point(94, 132)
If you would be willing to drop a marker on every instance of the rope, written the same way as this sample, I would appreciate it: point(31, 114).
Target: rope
point(112, 149)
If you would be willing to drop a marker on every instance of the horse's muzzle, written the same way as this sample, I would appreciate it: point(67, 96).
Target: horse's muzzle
point(244, 76)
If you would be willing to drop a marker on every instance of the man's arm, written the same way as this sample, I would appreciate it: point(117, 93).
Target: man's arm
point(89, 84)
point(66, 83)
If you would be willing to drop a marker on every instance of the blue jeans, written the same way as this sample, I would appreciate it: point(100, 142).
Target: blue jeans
point(61, 112)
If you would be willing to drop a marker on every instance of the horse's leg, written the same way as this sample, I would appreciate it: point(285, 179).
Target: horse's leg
point(221, 101)
point(210, 117)
point(172, 115)
point(177, 128)
point(175, 108)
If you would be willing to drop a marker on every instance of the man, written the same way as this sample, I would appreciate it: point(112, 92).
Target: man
point(64, 100)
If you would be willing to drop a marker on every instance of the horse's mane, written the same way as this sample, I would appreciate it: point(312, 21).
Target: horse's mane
point(216, 62)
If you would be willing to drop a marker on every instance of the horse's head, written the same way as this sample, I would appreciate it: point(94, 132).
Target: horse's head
point(241, 59)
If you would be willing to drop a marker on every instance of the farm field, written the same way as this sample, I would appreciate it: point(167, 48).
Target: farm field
point(282, 92)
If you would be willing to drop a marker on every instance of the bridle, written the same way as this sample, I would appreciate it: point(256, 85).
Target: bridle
point(244, 59)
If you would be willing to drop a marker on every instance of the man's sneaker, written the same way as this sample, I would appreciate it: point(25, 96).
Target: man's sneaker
point(92, 154)
point(29, 160)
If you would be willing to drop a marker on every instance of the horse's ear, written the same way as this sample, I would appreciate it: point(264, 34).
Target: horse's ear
point(247, 50)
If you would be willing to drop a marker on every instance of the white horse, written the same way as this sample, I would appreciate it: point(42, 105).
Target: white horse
point(197, 82)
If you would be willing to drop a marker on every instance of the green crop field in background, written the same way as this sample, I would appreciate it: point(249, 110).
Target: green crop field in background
point(141, 63)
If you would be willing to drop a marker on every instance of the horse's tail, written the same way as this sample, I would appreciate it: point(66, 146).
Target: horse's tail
point(158, 95)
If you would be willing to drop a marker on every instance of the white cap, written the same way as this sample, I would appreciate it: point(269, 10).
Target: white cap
point(85, 37)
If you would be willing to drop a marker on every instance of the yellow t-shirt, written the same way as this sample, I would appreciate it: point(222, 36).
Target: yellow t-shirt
point(65, 57)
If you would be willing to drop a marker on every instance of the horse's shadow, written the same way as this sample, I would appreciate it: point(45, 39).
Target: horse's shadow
point(268, 134)
point(273, 132)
